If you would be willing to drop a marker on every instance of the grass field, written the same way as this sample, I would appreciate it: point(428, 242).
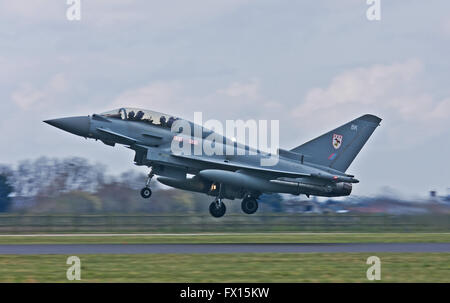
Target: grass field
point(231, 238)
point(273, 267)
point(236, 267)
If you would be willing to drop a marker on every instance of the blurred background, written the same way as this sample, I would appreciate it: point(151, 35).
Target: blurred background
point(73, 194)
point(312, 65)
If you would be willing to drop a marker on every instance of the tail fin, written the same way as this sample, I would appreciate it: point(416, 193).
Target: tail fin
point(338, 148)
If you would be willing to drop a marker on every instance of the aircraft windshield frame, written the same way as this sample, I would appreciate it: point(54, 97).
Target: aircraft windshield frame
point(141, 115)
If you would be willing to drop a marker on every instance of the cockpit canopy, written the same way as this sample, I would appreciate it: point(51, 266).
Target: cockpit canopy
point(141, 115)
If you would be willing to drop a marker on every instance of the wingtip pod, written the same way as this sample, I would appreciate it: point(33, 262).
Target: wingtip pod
point(370, 118)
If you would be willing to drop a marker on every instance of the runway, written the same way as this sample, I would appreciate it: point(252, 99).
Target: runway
point(76, 249)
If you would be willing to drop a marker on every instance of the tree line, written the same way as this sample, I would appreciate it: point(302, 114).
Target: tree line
point(74, 185)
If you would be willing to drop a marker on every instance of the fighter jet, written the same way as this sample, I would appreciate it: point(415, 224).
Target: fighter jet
point(316, 167)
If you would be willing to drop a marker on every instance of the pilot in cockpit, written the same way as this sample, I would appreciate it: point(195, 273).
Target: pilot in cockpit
point(131, 115)
point(162, 121)
point(139, 115)
point(170, 122)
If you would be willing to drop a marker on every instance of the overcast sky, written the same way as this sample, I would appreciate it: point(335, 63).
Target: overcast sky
point(313, 65)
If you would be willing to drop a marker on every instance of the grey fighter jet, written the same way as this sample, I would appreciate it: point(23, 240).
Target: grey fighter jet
point(316, 167)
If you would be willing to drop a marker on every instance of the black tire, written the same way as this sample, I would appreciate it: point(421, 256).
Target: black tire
point(215, 211)
point(146, 192)
point(249, 205)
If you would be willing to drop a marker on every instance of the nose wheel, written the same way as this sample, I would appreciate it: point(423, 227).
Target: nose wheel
point(146, 192)
point(217, 208)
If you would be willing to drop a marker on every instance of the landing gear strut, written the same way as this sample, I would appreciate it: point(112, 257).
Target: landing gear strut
point(249, 205)
point(146, 192)
point(217, 208)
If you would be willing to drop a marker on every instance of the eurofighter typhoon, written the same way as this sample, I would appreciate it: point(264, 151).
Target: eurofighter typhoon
point(176, 151)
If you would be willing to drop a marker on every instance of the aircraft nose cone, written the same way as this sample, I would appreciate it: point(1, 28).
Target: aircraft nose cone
point(75, 125)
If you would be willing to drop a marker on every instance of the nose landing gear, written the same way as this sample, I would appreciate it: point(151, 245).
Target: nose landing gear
point(146, 192)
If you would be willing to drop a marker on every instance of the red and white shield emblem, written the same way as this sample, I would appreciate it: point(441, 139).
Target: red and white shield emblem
point(337, 141)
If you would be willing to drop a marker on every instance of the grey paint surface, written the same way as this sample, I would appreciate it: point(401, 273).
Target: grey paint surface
point(75, 249)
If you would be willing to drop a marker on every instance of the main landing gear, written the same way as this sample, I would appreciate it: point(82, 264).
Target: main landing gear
point(146, 192)
point(249, 205)
point(217, 208)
